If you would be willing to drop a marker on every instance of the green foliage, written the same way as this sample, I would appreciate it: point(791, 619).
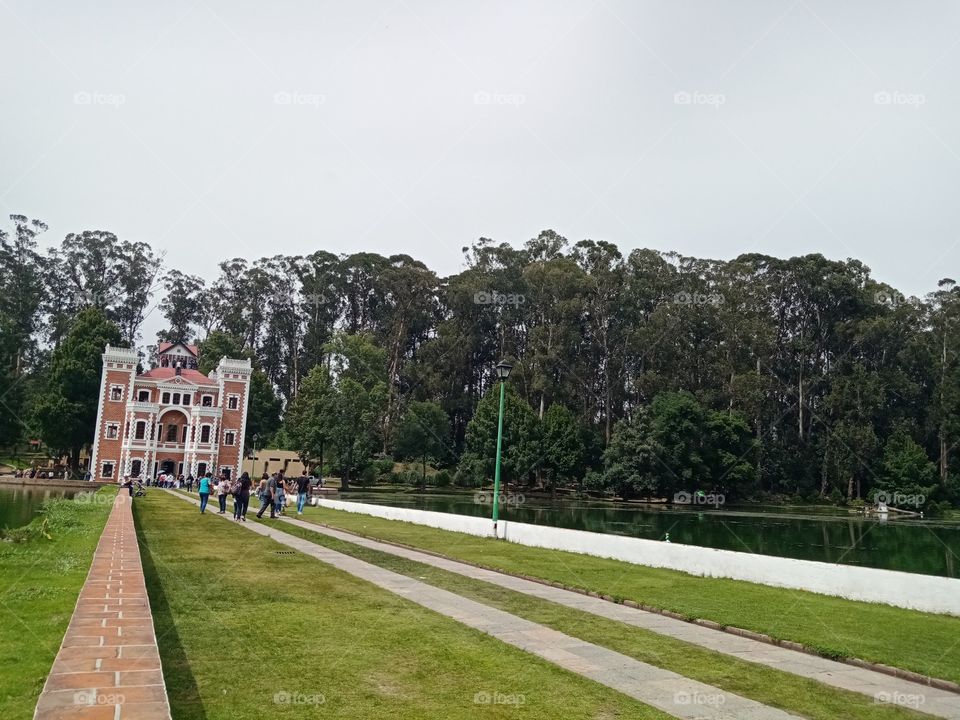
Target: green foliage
point(564, 449)
point(522, 440)
point(423, 434)
point(630, 461)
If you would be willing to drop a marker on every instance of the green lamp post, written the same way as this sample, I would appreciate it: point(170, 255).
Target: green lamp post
point(503, 372)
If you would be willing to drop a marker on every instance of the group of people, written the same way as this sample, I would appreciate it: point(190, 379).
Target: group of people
point(273, 490)
point(174, 482)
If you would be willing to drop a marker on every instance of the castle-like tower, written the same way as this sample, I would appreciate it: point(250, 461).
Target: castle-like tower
point(171, 419)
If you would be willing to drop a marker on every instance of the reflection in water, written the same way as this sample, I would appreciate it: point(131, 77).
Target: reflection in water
point(19, 504)
point(823, 534)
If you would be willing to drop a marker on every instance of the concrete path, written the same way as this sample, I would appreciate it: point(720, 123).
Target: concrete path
point(881, 687)
point(662, 689)
point(108, 665)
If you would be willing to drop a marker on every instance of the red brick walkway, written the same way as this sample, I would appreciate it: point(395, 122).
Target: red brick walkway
point(108, 665)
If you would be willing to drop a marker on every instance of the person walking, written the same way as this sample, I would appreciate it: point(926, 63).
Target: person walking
point(280, 498)
point(204, 489)
point(268, 489)
point(223, 489)
point(241, 497)
point(190, 482)
point(303, 487)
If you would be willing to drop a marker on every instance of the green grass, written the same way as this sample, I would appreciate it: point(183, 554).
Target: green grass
point(766, 685)
point(922, 642)
point(42, 569)
point(238, 624)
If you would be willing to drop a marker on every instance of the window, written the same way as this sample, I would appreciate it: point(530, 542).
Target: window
point(140, 430)
point(225, 471)
point(159, 431)
point(112, 431)
point(106, 470)
point(171, 433)
point(135, 467)
point(207, 401)
point(186, 399)
point(176, 398)
point(229, 437)
point(166, 398)
point(233, 402)
point(183, 439)
point(201, 469)
point(143, 396)
point(116, 393)
point(205, 434)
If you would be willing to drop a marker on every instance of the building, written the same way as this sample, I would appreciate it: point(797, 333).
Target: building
point(171, 419)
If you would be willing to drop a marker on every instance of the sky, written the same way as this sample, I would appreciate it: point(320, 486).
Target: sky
point(215, 129)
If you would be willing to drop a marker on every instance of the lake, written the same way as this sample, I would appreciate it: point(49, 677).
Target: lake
point(19, 504)
point(824, 534)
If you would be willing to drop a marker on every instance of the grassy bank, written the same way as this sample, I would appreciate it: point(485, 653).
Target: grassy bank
point(772, 687)
point(248, 631)
point(42, 569)
point(915, 641)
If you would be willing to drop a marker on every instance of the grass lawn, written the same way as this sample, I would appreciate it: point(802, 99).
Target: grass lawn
point(247, 630)
point(772, 687)
point(40, 580)
point(921, 642)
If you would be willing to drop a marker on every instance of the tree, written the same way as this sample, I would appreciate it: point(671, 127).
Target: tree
point(310, 418)
point(66, 410)
point(522, 445)
point(630, 462)
point(564, 449)
point(263, 410)
point(351, 437)
point(423, 433)
point(182, 307)
point(905, 469)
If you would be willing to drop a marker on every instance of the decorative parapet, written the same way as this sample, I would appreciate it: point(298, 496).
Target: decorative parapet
point(228, 367)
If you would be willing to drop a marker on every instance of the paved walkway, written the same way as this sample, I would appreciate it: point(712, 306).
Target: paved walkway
point(108, 665)
point(881, 687)
point(665, 690)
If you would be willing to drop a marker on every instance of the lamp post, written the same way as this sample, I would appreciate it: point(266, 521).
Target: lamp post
point(503, 372)
point(256, 439)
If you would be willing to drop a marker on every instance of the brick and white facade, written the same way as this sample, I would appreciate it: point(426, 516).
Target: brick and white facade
point(172, 418)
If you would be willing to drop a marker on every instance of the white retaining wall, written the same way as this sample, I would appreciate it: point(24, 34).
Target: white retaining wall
point(927, 593)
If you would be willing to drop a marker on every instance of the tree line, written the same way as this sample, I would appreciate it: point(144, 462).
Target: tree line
point(640, 374)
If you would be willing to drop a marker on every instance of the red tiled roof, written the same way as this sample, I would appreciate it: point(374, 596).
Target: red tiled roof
point(166, 373)
point(164, 346)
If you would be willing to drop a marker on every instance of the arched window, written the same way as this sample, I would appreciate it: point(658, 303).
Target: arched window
point(171, 433)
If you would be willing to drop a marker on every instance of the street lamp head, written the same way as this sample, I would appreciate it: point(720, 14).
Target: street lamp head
point(503, 369)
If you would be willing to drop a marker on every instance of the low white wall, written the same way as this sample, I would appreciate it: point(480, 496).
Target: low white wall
point(927, 593)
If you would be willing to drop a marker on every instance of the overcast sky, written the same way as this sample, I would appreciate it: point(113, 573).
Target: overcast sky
point(216, 129)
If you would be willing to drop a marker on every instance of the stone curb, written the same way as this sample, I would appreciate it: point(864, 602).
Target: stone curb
point(939, 683)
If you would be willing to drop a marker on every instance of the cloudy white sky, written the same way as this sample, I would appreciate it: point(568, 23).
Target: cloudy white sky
point(215, 129)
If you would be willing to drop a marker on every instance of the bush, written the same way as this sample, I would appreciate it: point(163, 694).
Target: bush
point(468, 474)
point(442, 479)
point(383, 467)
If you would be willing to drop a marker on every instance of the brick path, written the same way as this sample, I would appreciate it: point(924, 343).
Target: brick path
point(668, 691)
point(883, 688)
point(108, 666)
